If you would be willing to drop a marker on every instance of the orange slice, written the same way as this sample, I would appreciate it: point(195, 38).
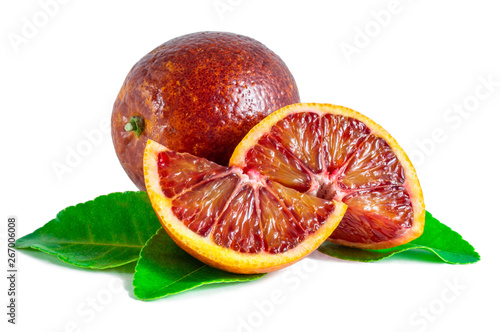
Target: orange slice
point(333, 152)
point(238, 221)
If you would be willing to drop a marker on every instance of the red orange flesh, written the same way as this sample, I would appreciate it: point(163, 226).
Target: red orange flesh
point(236, 220)
point(335, 153)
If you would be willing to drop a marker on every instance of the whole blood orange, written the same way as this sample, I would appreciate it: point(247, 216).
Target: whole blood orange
point(199, 93)
point(235, 220)
point(333, 152)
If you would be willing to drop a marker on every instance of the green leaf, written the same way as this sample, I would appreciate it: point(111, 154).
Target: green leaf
point(439, 239)
point(165, 269)
point(106, 232)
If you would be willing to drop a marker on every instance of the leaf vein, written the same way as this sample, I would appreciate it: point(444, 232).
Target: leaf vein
point(183, 277)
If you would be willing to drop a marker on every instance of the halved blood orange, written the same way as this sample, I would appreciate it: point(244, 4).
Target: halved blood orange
point(235, 220)
point(333, 152)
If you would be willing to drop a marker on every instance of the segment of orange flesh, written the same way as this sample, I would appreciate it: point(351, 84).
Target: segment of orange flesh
point(238, 221)
point(335, 153)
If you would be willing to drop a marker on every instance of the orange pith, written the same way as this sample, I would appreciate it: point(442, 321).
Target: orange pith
point(338, 154)
point(238, 221)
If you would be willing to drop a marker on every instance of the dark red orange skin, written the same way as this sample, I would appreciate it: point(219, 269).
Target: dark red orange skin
point(199, 93)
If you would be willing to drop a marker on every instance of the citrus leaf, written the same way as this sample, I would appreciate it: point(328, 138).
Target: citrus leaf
point(165, 269)
point(439, 239)
point(106, 232)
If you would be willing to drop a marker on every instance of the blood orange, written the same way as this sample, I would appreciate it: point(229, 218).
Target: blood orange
point(198, 93)
point(333, 152)
point(235, 220)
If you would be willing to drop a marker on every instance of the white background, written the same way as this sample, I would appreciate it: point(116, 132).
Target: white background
point(413, 68)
